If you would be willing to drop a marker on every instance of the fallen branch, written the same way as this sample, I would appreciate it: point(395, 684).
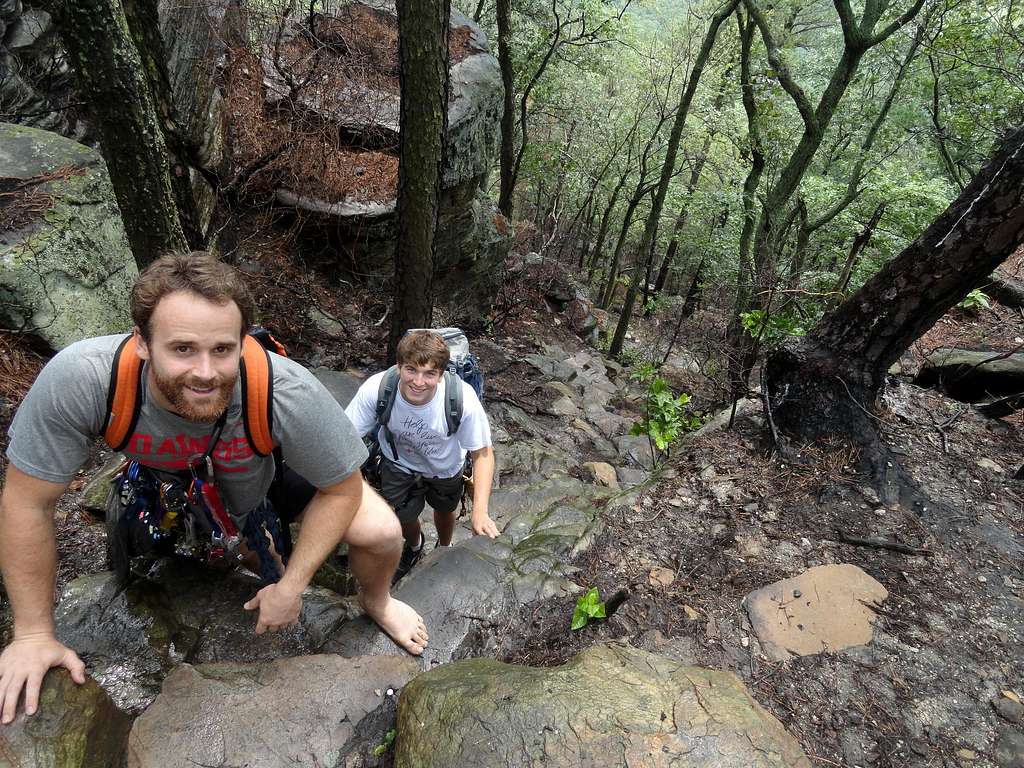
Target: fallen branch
point(877, 542)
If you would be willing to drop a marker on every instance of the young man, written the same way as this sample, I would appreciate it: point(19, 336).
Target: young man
point(428, 465)
point(191, 313)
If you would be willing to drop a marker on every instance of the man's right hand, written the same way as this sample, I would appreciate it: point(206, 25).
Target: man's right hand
point(24, 664)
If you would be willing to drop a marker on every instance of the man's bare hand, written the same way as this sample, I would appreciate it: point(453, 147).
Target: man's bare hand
point(24, 664)
point(278, 605)
point(483, 525)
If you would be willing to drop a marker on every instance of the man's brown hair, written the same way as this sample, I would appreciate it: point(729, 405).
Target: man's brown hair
point(199, 272)
point(423, 348)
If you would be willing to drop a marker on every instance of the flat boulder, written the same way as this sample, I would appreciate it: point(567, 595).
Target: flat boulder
point(67, 268)
point(611, 705)
point(973, 375)
point(76, 725)
point(826, 608)
point(309, 710)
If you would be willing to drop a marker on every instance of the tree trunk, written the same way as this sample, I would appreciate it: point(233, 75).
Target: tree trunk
point(829, 381)
point(506, 156)
point(112, 81)
point(860, 242)
point(668, 168)
point(423, 57)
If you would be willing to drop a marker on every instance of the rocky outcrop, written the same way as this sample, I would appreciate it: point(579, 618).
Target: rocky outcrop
point(67, 268)
point(610, 706)
point(34, 74)
point(76, 725)
point(472, 237)
point(311, 710)
point(973, 375)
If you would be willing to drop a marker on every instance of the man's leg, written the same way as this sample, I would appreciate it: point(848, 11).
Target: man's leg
point(374, 546)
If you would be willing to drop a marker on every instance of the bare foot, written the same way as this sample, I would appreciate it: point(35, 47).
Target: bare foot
point(401, 622)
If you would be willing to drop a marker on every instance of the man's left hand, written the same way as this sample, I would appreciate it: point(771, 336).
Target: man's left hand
point(278, 605)
point(483, 525)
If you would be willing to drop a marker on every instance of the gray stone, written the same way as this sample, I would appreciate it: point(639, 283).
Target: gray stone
point(1011, 711)
point(551, 367)
point(67, 274)
point(638, 450)
point(564, 406)
point(94, 494)
point(1008, 751)
point(75, 725)
point(31, 29)
point(991, 466)
point(611, 425)
point(630, 477)
point(311, 710)
point(611, 705)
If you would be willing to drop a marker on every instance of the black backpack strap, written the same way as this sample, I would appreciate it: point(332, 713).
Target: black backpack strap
point(386, 392)
point(452, 401)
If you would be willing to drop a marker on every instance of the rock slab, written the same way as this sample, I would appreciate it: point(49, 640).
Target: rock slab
point(822, 609)
point(76, 725)
point(612, 705)
point(311, 710)
point(67, 270)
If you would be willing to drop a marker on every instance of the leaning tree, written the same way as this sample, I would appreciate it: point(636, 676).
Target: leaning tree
point(829, 382)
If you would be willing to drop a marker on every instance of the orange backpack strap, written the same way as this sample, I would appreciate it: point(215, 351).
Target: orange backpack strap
point(123, 400)
point(257, 396)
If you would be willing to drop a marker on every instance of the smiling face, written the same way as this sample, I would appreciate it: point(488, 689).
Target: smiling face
point(418, 383)
point(193, 352)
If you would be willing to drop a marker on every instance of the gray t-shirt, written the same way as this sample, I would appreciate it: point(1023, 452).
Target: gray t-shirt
point(65, 410)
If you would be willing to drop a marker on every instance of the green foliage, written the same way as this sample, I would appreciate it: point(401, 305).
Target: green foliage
point(665, 416)
point(974, 301)
point(385, 745)
point(588, 607)
point(778, 328)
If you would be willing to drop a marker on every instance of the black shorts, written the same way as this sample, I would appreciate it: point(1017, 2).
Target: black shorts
point(406, 493)
point(289, 494)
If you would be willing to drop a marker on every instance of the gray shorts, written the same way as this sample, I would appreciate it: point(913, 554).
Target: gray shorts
point(407, 493)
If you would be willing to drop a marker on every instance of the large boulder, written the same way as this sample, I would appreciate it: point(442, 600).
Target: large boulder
point(76, 726)
point(472, 236)
point(67, 268)
point(311, 710)
point(610, 706)
point(973, 375)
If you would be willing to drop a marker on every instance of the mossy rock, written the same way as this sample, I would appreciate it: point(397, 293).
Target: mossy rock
point(68, 269)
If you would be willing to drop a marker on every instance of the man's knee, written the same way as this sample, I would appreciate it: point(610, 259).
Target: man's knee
point(375, 525)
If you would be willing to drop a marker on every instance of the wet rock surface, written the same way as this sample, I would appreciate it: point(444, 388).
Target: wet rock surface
point(313, 710)
point(610, 706)
point(76, 725)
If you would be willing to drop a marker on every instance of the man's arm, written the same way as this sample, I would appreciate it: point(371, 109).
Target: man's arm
point(483, 477)
point(324, 523)
point(28, 560)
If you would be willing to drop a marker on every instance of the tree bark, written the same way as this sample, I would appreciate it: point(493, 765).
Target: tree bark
point(111, 79)
point(506, 155)
point(423, 58)
point(829, 381)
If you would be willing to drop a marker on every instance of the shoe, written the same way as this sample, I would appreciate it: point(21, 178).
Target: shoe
point(409, 558)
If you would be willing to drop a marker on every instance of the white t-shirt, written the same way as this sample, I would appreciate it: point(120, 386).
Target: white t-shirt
point(420, 431)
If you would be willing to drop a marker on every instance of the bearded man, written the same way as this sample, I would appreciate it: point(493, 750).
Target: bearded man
point(191, 314)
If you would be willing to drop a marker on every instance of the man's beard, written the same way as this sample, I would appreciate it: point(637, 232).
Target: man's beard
point(209, 409)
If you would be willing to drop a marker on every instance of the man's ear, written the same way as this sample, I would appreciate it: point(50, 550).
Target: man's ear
point(141, 348)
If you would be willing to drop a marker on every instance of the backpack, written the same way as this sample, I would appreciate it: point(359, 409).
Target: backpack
point(462, 365)
point(255, 371)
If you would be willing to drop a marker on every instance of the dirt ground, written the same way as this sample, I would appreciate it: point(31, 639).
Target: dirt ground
point(725, 516)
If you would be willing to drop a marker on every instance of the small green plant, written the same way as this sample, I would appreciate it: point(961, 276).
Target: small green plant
point(385, 745)
point(974, 301)
point(776, 329)
point(644, 372)
point(665, 417)
point(653, 304)
point(588, 607)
